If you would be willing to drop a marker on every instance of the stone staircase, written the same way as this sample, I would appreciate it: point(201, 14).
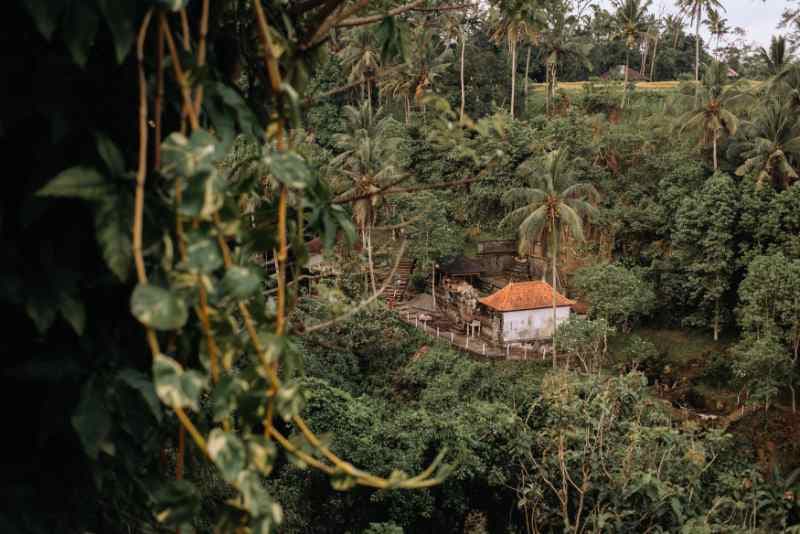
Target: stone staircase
point(397, 289)
point(518, 271)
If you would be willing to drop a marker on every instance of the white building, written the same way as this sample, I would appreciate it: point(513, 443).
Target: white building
point(523, 311)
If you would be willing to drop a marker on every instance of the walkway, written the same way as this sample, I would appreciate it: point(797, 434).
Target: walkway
point(434, 325)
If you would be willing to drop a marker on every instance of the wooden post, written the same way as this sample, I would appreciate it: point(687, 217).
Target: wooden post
point(437, 331)
point(525, 351)
point(467, 342)
point(508, 351)
point(416, 321)
point(484, 349)
point(452, 336)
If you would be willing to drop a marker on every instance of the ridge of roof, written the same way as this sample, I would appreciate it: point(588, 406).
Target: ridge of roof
point(519, 296)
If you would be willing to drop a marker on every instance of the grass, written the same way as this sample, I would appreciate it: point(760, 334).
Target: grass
point(654, 86)
point(681, 346)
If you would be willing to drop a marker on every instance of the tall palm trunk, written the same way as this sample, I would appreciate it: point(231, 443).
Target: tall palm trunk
point(369, 97)
point(553, 266)
point(645, 55)
point(653, 61)
point(625, 83)
point(513, 74)
point(527, 81)
point(463, 92)
point(697, 55)
point(716, 165)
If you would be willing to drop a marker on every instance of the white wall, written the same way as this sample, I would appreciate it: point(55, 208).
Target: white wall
point(532, 324)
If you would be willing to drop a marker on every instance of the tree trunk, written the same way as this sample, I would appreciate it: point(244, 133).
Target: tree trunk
point(527, 81)
point(697, 56)
point(513, 74)
point(463, 92)
point(554, 254)
point(715, 152)
point(625, 83)
point(369, 258)
point(369, 98)
point(645, 54)
point(716, 320)
point(653, 61)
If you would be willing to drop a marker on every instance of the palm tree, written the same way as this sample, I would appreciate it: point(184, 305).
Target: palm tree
point(558, 44)
point(673, 25)
point(553, 207)
point(364, 167)
point(695, 9)
point(786, 85)
point(631, 23)
point(717, 26)
point(521, 24)
point(426, 60)
point(772, 145)
point(361, 59)
point(777, 57)
point(712, 117)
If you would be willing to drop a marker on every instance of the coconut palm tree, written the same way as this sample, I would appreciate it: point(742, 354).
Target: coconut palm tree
point(364, 167)
point(673, 25)
point(553, 207)
point(777, 57)
point(557, 44)
point(717, 25)
point(712, 117)
point(427, 58)
point(361, 59)
point(786, 85)
point(631, 19)
point(771, 146)
point(695, 9)
point(523, 23)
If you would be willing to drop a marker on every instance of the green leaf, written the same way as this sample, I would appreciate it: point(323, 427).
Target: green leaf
point(177, 501)
point(77, 182)
point(247, 119)
point(203, 256)
point(225, 395)
point(74, 312)
point(113, 218)
point(289, 401)
point(227, 451)
point(290, 169)
point(185, 157)
point(119, 15)
point(80, 28)
point(241, 282)
point(203, 195)
point(42, 308)
point(141, 383)
point(262, 454)
point(255, 498)
point(158, 308)
point(91, 421)
point(174, 386)
point(110, 153)
point(45, 14)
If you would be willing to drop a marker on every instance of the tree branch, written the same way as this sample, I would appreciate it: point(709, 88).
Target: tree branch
point(370, 19)
point(387, 191)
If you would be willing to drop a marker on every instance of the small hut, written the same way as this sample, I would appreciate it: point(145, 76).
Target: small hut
point(523, 311)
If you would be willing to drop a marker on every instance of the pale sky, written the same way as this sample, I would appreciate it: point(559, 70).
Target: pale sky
point(759, 18)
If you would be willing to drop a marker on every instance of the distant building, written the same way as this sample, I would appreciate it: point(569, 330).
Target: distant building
point(618, 73)
point(523, 311)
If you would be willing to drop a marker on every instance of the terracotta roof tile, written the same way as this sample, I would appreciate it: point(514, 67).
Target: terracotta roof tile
point(525, 296)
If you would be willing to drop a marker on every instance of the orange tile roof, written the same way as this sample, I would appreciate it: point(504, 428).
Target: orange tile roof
point(525, 296)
